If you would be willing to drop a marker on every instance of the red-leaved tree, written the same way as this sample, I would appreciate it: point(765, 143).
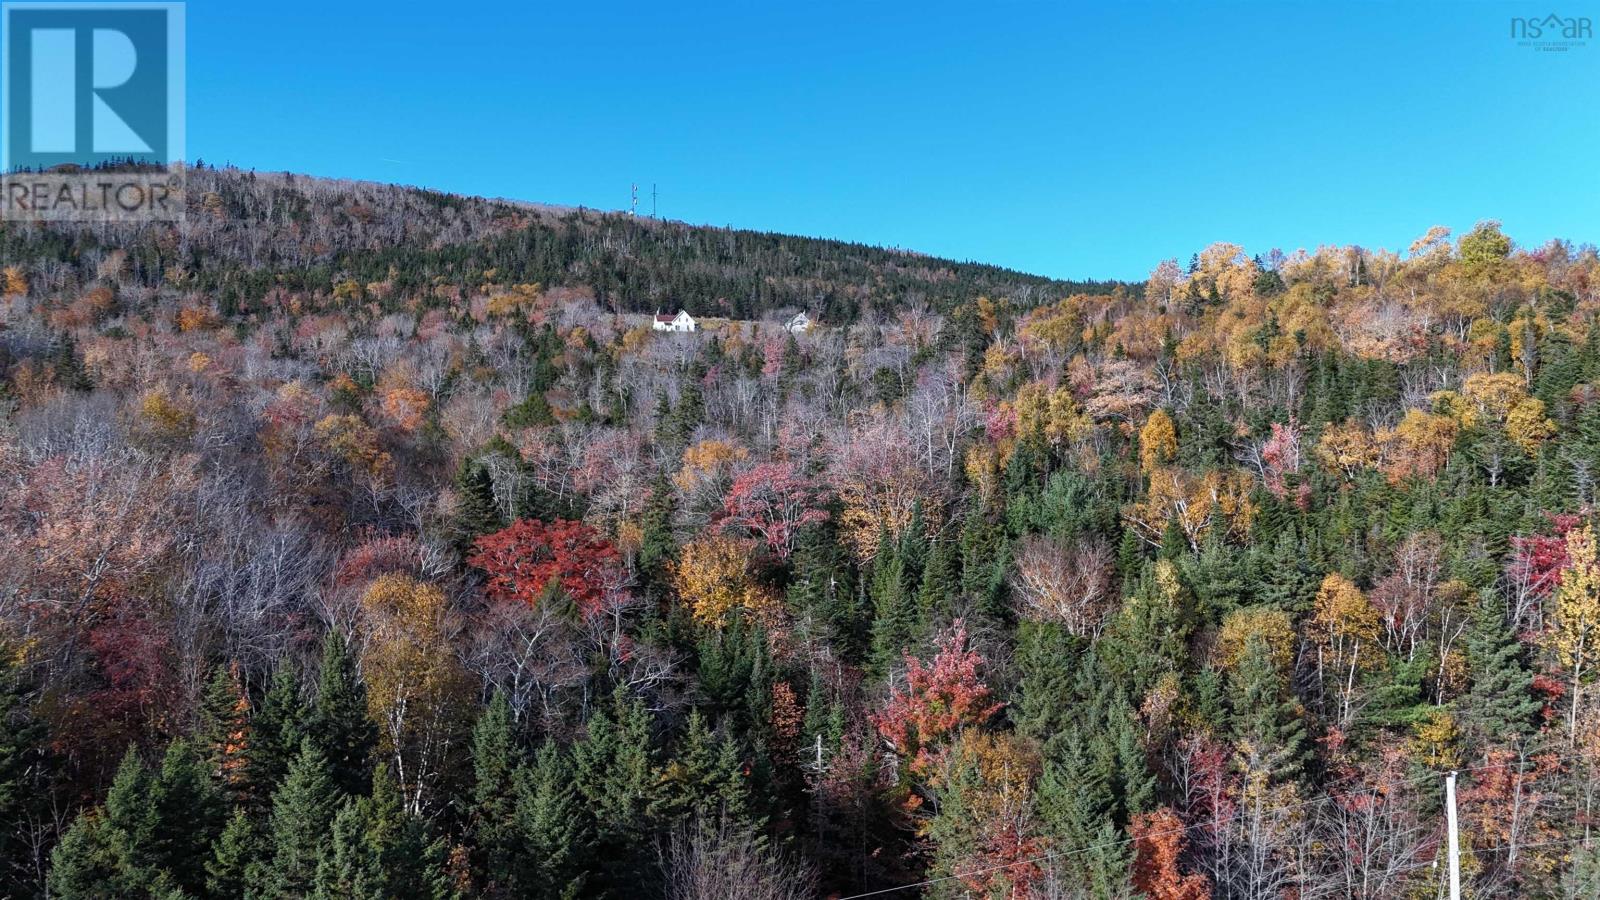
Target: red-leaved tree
point(522, 559)
point(937, 702)
point(773, 502)
point(1158, 839)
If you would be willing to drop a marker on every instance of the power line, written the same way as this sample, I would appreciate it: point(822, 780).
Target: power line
point(1061, 854)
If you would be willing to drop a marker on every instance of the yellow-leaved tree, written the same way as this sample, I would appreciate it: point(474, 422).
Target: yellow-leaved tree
point(1577, 617)
point(1343, 625)
point(1158, 442)
point(417, 691)
point(712, 575)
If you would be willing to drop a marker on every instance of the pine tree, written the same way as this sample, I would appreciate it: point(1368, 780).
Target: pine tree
point(189, 816)
point(550, 825)
point(277, 728)
point(302, 813)
point(23, 770)
point(1267, 721)
point(239, 847)
point(476, 512)
point(493, 818)
point(223, 735)
point(338, 724)
point(1500, 706)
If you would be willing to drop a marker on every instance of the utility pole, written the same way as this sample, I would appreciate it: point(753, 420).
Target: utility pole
point(1455, 838)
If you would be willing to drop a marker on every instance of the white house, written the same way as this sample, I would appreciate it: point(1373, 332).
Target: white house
point(681, 322)
point(800, 324)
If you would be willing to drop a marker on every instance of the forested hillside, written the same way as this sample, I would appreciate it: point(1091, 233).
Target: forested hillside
point(362, 542)
point(252, 238)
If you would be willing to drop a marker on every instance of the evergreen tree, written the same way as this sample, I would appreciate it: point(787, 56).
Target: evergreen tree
point(983, 557)
point(90, 863)
point(189, 812)
point(1500, 706)
point(936, 597)
point(338, 724)
point(704, 781)
point(416, 865)
point(1267, 721)
point(824, 589)
point(110, 851)
point(277, 728)
point(1076, 803)
point(494, 817)
point(350, 867)
point(894, 614)
point(239, 847)
point(302, 814)
point(224, 734)
point(615, 773)
point(657, 546)
point(476, 512)
point(23, 772)
point(550, 825)
point(1047, 660)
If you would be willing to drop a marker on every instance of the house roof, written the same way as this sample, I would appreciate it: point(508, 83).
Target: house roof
point(664, 318)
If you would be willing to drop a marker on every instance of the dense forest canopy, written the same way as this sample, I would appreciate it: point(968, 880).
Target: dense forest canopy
point(365, 542)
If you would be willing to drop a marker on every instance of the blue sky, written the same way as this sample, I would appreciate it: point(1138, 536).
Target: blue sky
point(1056, 138)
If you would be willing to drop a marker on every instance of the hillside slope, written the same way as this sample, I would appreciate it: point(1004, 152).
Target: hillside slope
point(352, 537)
point(249, 232)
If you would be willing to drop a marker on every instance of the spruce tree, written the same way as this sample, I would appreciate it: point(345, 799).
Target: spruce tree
point(1500, 706)
point(493, 817)
point(476, 512)
point(614, 767)
point(550, 825)
point(89, 863)
point(277, 729)
point(338, 724)
point(302, 813)
point(23, 770)
point(190, 813)
point(223, 735)
point(239, 847)
point(350, 868)
point(111, 851)
point(894, 616)
point(937, 595)
point(1047, 661)
point(414, 863)
point(1267, 720)
point(657, 546)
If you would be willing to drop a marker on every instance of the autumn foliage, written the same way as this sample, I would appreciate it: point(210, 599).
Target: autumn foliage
point(522, 561)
